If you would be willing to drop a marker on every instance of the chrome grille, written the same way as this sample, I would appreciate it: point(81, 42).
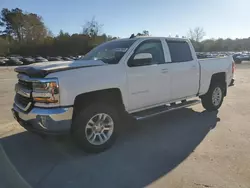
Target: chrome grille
point(25, 92)
point(23, 100)
point(25, 85)
point(23, 88)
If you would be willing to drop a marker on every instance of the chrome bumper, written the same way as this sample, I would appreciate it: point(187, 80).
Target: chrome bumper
point(42, 120)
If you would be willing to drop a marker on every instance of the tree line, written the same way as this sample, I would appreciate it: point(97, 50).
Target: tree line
point(25, 33)
point(214, 45)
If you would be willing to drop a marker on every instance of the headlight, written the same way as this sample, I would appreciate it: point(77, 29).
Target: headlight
point(46, 91)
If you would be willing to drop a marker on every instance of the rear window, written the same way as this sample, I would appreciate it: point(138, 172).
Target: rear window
point(179, 51)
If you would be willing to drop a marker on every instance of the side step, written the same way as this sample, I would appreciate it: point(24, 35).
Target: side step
point(162, 109)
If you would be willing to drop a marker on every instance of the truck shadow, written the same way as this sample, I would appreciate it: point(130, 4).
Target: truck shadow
point(142, 155)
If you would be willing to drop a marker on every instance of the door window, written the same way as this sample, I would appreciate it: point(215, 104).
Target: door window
point(153, 47)
point(179, 51)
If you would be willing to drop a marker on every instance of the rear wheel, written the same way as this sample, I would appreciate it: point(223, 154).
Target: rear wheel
point(95, 127)
point(213, 99)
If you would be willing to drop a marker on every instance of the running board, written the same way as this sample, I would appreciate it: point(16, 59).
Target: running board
point(162, 109)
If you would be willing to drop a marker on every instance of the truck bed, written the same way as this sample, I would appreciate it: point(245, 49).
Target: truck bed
point(212, 66)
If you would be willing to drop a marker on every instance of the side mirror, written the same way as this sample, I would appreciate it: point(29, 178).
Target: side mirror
point(141, 59)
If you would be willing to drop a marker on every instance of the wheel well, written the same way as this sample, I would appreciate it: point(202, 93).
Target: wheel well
point(221, 78)
point(111, 96)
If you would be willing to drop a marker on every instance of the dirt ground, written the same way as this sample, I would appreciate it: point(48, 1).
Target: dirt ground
point(181, 149)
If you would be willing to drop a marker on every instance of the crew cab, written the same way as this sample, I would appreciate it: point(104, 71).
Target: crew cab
point(139, 76)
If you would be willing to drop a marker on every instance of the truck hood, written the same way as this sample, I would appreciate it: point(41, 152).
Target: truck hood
point(40, 70)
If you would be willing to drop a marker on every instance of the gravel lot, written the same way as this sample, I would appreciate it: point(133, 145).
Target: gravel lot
point(185, 148)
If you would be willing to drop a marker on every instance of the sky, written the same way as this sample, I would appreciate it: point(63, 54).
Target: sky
point(121, 18)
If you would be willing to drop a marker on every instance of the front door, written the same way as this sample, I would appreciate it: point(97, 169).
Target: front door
point(148, 82)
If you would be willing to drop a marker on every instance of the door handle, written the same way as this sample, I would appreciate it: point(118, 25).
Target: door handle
point(164, 70)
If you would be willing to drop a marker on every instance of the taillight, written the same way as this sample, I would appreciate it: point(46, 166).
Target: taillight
point(233, 67)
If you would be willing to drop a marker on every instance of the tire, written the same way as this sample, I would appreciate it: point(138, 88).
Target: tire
point(83, 128)
point(207, 100)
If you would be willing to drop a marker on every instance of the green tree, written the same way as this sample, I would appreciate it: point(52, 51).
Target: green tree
point(196, 34)
point(4, 46)
point(12, 21)
point(22, 27)
point(92, 28)
point(143, 33)
point(35, 29)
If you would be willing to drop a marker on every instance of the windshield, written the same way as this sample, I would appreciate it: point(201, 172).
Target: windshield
point(109, 52)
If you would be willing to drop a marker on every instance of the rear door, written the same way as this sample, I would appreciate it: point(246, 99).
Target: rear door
point(183, 70)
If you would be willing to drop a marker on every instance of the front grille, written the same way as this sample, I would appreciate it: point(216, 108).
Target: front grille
point(25, 85)
point(23, 101)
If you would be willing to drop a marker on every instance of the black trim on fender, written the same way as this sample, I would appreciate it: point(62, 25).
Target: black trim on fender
point(52, 107)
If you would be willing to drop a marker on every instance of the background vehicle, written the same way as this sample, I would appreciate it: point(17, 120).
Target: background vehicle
point(28, 60)
point(201, 55)
point(238, 58)
point(14, 56)
point(67, 59)
point(40, 59)
point(58, 58)
point(14, 62)
point(3, 61)
point(142, 77)
point(73, 57)
point(80, 56)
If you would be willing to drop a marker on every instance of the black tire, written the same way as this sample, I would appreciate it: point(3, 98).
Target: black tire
point(207, 101)
point(80, 122)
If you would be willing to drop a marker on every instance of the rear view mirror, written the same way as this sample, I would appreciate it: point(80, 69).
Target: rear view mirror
point(141, 59)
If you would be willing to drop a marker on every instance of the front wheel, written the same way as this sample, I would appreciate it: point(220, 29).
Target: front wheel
point(213, 99)
point(95, 127)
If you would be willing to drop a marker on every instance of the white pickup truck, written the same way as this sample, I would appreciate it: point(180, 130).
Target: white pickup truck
point(140, 76)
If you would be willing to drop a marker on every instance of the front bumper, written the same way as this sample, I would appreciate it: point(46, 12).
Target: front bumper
point(52, 121)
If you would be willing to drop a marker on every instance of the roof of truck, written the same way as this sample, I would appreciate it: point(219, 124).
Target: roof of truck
point(151, 37)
